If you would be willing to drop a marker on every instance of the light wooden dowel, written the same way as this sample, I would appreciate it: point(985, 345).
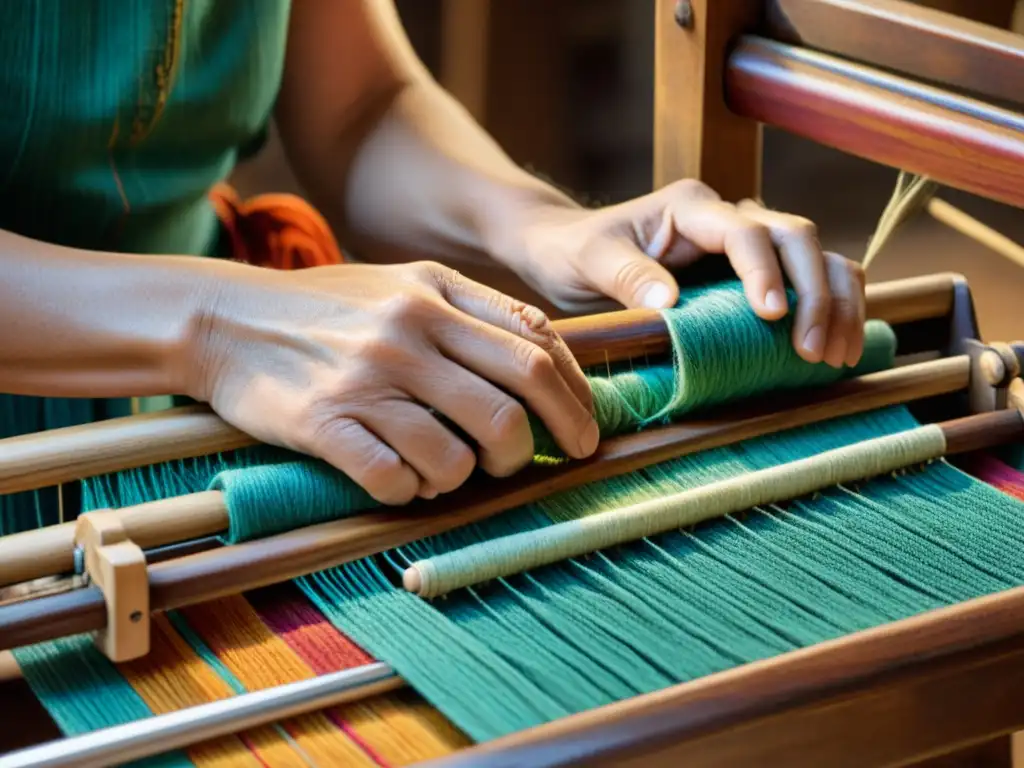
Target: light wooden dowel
point(231, 570)
point(72, 453)
point(970, 227)
point(50, 551)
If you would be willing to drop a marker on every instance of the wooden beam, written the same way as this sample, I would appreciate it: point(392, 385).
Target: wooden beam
point(465, 37)
point(959, 142)
point(695, 134)
point(935, 683)
point(922, 42)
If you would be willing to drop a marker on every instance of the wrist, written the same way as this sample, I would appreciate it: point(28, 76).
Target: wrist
point(506, 222)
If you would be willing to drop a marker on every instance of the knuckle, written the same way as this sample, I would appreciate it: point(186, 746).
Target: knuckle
point(799, 228)
point(427, 271)
point(856, 273)
point(691, 189)
point(748, 229)
point(409, 308)
point(816, 306)
point(458, 465)
point(536, 365)
point(373, 353)
point(384, 475)
point(631, 274)
point(508, 422)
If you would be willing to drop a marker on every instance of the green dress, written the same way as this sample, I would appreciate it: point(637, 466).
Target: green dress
point(116, 119)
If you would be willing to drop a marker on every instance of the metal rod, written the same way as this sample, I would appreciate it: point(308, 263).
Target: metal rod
point(176, 730)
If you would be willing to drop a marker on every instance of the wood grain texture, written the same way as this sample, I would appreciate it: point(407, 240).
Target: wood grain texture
point(231, 570)
point(70, 454)
point(925, 43)
point(839, 105)
point(695, 135)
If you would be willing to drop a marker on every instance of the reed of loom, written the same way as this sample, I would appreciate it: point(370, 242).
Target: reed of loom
point(919, 687)
point(941, 300)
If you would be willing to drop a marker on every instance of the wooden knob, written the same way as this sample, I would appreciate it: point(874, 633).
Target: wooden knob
point(992, 367)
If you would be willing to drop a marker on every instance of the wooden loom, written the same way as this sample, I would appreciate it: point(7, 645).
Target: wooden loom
point(896, 694)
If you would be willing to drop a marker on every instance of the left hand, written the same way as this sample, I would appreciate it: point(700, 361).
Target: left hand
point(580, 258)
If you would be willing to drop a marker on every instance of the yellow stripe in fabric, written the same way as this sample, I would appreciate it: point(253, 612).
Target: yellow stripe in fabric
point(403, 729)
point(172, 677)
point(260, 660)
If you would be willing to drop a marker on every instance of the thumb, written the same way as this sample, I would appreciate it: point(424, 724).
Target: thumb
point(621, 271)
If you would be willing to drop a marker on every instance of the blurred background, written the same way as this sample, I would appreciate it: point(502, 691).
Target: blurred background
point(566, 86)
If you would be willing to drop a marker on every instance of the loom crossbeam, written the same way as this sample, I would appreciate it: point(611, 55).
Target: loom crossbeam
point(946, 672)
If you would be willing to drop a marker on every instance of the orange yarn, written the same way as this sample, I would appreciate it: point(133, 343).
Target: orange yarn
point(278, 231)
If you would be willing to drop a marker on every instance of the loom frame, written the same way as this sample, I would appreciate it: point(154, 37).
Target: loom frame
point(560, 743)
point(796, 709)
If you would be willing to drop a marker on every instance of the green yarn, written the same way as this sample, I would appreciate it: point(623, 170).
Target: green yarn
point(576, 634)
point(721, 352)
point(270, 491)
point(83, 691)
point(571, 636)
point(596, 531)
point(271, 499)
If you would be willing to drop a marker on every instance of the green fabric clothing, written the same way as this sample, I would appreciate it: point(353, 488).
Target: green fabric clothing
point(116, 119)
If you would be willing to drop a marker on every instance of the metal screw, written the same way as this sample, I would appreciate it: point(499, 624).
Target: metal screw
point(684, 14)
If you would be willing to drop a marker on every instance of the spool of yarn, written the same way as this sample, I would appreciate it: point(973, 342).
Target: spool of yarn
point(524, 551)
point(721, 351)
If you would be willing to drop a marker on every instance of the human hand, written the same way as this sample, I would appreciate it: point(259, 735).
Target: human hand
point(580, 258)
point(345, 363)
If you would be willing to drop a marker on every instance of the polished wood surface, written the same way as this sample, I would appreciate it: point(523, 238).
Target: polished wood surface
point(925, 43)
point(696, 136)
point(231, 570)
point(72, 453)
point(830, 102)
point(885, 696)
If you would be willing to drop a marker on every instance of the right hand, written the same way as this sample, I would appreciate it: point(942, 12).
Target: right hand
point(344, 363)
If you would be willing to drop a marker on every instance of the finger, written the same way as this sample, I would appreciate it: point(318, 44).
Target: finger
point(747, 243)
point(804, 263)
point(658, 233)
point(617, 268)
point(528, 371)
point(496, 309)
point(846, 326)
point(493, 419)
point(350, 447)
point(443, 461)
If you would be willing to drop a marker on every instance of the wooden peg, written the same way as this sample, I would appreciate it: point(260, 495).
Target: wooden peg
point(117, 566)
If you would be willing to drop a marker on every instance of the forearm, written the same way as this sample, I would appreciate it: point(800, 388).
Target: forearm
point(393, 161)
point(428, 177)
point(86, 324)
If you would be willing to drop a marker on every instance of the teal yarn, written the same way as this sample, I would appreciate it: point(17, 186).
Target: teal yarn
point(561, 639)
point(573, 635)
point(721, 351)
point(266, 490)
point(83, 691)
point(274, 498)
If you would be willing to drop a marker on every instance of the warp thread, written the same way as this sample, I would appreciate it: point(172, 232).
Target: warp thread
point(524, 551)
point(721, 352)
point(580, 633)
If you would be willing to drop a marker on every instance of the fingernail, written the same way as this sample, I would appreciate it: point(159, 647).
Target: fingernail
point(589, 440)
point(774, 301)
point(655, 296)
point(427, 491)
point(814, 341)
point(838, 353)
